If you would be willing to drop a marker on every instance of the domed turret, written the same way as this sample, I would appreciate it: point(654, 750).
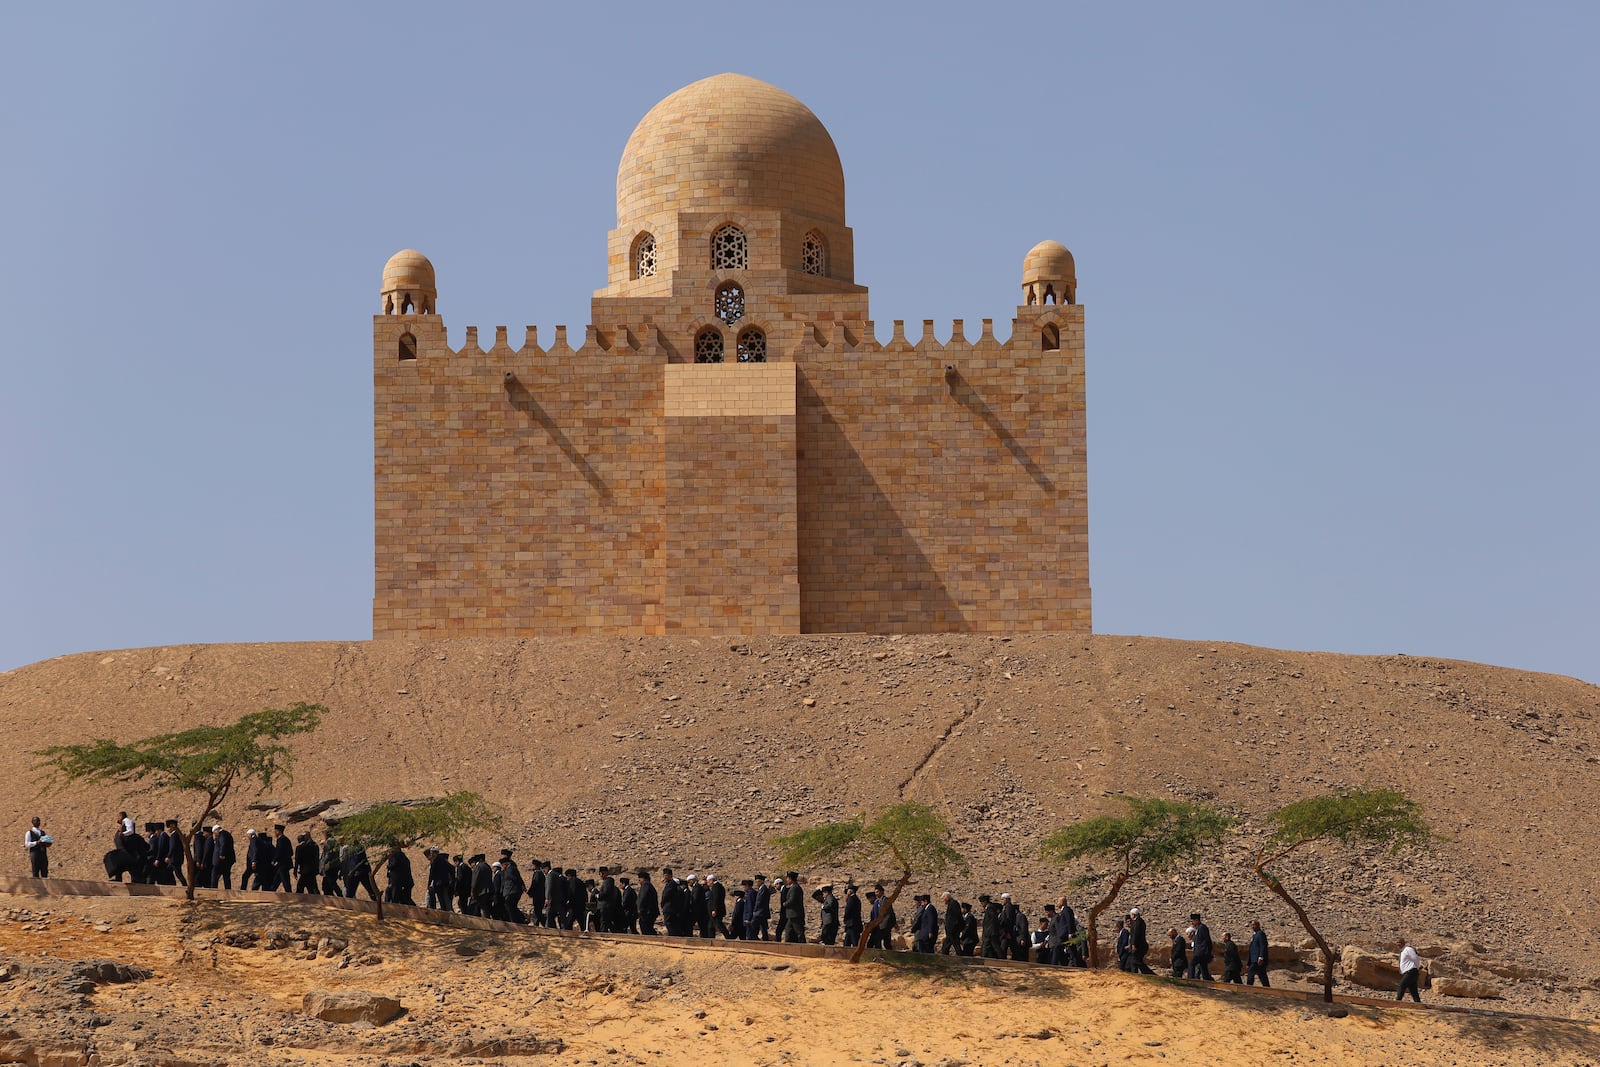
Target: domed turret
point(408, 284)
point(730, 143)
point(1049, 275)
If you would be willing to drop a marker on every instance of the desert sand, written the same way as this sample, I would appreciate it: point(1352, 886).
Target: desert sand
point(228, 980)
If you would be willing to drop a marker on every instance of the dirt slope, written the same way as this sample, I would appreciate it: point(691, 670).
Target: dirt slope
point(695, 752)
point(227, 984)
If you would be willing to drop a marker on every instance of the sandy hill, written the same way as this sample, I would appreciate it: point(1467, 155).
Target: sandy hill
point(225, 983)
point(695, 752)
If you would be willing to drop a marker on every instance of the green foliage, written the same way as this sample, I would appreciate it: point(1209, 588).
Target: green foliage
point(206, 759)
point(1351, 817)
point(914, 835)
point(437, 819)
point(1154, 835)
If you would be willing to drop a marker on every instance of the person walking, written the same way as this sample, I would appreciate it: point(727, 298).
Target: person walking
point(38, 843)
point(1232, 965)
point(1203, 950)
point(223, 857)
point(307, 864)
point(1141, 942)
point(1410, 972)
point(792, 904)
point(829, 907)
point(852, 915)
point(1256, 956)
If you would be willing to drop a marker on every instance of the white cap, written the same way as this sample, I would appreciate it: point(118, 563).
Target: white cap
point(1133, 911)
point(1005, 896)
point(216, 827)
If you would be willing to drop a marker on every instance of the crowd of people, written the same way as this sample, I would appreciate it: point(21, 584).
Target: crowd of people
point(612, 901)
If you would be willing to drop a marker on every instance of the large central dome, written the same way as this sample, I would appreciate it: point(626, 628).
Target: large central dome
point(730, 143)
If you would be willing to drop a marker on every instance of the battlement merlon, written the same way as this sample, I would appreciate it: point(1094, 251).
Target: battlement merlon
point(1029, 332)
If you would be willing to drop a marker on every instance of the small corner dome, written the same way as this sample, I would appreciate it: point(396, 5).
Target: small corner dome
point(1048, 261)
point(727, 143)
point(408, 269)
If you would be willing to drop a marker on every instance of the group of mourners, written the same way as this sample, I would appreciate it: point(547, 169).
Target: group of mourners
point(612, 901)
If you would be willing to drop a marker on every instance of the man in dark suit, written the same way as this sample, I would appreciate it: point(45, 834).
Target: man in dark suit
point(717, 905)
point(885, 917)
point(401, 882)
point(283, 859)
point(201, 844)
point(512, 888)
point(829, 910)
point(1200, 958)
point(969, 930)
point(357, 871)
point(792, 904)
point(630, 905)
point(760, 905)
point(483, 903)
point(649, 904)
point(1141, 942)
point(1256, 956)
point(952, 926)
point(852, 915)
point(674, 905)
point(538, 878)
point(175, 856)
point(160, 855)
point(223, 857)
point(307, 862)
point(441, 879)
point(609, 897)
point(331, 867)
point(992, 947)
point(463, 876)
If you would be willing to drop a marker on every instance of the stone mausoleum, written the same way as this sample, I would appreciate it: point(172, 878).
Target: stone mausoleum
point(729, 448)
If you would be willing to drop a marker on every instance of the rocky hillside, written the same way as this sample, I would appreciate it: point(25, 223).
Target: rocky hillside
point(155, 983)
point(695, 752)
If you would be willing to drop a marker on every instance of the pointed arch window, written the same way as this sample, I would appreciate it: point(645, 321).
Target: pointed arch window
point(644, 256)
point(729, 304)
point(407, 347)
point(708, 346)
point(752, 346)
point(814, 254)
point(730, 249)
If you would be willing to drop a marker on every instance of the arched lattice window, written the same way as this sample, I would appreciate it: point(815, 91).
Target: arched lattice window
point(708, 346)
point(729, 304)
point(814, 254)
point(1051, 337)
point(730, 250)
point(644, 256)
point(1049, 295)
point(752, 346)
point(408, 346)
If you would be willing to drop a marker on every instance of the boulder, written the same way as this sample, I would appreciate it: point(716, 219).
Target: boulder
point(1466, 987)
point(1279, 953)
point(104, 971)
point(352, 1006)
point(1367, 968)
point(302, 812)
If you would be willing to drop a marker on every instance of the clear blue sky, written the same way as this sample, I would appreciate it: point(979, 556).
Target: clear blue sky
point(1339, 264)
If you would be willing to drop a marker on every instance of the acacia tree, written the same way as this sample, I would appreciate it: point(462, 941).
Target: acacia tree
point(1350, 817)
point(209, 761)
point(396, 825)
point(1152, 837)
point(913, 836)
